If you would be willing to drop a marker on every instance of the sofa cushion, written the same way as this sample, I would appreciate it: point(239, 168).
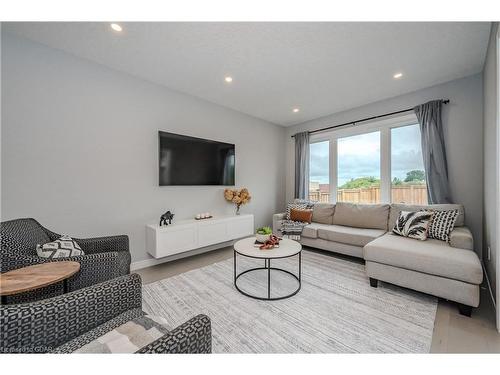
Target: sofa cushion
point(432, 256)
point(349, 235)
point(396, 208)
point(311, 230)
point(323, 213)
point(372, 216)
point(461, 237)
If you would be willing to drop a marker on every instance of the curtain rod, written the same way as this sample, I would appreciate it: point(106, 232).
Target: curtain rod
point(444, 101)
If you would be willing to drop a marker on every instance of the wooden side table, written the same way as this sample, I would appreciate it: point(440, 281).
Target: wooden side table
point(35, 277)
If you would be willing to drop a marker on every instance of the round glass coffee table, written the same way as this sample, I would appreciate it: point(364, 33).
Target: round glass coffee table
point(287, 248)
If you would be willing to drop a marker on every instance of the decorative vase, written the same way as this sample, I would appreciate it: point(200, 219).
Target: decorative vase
point(237, 209)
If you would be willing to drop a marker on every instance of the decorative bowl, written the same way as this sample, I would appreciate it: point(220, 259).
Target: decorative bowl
point(262, 237)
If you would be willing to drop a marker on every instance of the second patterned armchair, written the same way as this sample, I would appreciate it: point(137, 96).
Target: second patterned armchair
point(105, 257)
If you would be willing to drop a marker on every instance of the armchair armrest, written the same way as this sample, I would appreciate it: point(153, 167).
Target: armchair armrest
point(277, 219)
point(103, 244)
point(461, 237)
point(94, 268)
point(44, 325)
point(96, 244)
point(194, 336)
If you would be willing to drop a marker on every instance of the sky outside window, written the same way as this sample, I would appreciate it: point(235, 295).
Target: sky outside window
point(406, 151)
point(358, 156)
point(319, 162)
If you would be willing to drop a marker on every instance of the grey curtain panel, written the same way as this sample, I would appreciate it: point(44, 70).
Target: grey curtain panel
point(302, 165)
point(434, 151)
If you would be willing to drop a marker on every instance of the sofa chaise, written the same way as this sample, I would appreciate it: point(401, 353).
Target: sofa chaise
point(448, 270)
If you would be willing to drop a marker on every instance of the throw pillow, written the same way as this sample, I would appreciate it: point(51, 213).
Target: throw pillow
point(310, 204)
point(413, 224)
point(301, 215)
point(297, 206)
point(442, 224)
point(127, 338)
point(62, 248)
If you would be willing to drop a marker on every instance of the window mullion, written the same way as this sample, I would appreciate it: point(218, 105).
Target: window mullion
point(333, 170)
point(385, 165)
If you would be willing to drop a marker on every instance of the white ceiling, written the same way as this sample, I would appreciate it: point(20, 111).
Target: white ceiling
point(321, 68)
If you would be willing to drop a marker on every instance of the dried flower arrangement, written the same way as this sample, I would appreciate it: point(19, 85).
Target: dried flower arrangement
point(238, 197)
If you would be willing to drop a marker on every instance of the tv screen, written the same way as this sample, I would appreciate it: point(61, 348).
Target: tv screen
point(194, 161)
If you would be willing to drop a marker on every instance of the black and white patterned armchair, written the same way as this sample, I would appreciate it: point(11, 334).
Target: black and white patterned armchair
point(65, 323)
point(105, 257)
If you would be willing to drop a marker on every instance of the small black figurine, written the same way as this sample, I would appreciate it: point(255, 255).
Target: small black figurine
point(166, 216)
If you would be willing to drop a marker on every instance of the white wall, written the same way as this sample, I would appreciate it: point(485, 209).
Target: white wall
point(463, 130)
point(491, 163)
point(79, 147)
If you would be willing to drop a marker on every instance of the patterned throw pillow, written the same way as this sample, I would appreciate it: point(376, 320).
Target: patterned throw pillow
point(127, 338)
point(442, 224)
point(62, 248)
point(310, 204)
point(413, 224)
point(295, 206)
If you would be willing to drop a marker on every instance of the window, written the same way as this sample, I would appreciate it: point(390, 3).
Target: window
point(319, 167)
point(358, 176)
point(407, 166)
point(372, 163)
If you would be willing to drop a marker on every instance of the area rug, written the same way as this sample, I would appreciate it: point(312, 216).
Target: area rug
point(336, 310)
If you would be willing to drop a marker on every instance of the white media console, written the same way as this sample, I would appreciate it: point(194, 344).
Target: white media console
point(187, 235)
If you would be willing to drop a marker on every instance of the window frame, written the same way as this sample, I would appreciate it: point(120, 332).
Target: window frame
point(384, 126)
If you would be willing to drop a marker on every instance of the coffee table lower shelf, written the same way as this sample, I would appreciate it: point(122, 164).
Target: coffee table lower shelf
point(267, 266)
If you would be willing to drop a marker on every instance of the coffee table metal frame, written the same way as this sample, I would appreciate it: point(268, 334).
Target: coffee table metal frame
point(267, 266)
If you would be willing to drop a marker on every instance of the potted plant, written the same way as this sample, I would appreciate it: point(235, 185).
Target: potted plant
point(263, 234)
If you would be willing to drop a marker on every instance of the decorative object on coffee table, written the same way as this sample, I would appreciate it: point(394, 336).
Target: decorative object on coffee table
point(166, 216)
point(271, 243)
point(37, 276)
point(287, 249)
point(263, 234)
point(238, 197)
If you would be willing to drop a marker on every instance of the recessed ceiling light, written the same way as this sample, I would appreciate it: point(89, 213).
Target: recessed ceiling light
point(295, 110)
point(398, 75)
point(228, 79)
point(116, 27)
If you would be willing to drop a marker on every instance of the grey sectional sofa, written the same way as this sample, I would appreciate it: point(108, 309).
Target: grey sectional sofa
point(447, 270)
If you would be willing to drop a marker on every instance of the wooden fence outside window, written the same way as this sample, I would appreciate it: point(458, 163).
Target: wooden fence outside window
point(409, 194)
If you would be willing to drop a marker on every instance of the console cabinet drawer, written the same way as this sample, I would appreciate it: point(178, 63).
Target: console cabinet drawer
point(212, 233)
point(240, 227)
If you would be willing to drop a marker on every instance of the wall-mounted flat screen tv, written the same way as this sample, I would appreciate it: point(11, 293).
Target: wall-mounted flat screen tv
point(187, 160)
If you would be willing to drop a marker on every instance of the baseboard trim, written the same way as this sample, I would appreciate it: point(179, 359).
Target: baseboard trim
point(134, 266)
point(489, 286)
